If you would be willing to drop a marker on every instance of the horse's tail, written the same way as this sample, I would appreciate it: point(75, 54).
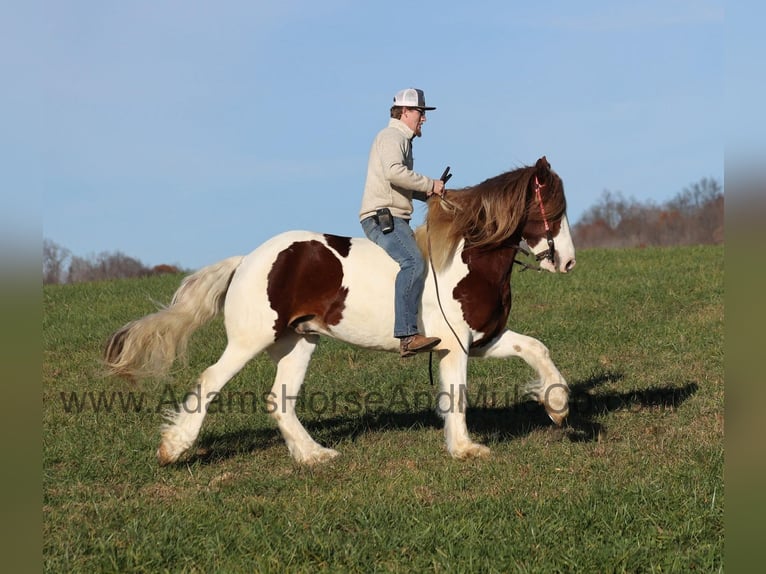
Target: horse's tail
point(148, 346)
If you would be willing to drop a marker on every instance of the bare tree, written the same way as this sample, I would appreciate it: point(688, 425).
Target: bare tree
point(694, 197)
point(54, 257)
point(104, 266)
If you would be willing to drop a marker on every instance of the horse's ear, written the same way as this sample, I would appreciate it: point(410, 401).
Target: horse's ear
point(542, 168)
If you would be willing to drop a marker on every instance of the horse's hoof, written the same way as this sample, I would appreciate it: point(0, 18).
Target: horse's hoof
point(558, 417)
point(556, 403)
point(163, 455)
point(318, 456)
point(166, 455)
point(472, 451)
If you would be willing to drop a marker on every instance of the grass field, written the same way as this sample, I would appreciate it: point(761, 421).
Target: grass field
point(633, 482)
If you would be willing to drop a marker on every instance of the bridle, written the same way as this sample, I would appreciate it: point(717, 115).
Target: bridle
point(551, 251)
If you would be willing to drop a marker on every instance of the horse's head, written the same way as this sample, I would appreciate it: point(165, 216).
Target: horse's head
point(526, 203)
point(546, 229)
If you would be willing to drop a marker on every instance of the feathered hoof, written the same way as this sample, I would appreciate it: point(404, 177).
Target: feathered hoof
point(317, 456)
point(473, 450)
point(167, 455)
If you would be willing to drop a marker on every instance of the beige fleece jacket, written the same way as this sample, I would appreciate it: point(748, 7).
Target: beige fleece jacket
point(390, 180)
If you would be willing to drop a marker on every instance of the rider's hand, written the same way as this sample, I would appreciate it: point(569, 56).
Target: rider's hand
point(438, 188)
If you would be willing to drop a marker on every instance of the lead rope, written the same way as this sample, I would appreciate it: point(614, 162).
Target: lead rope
point(445, 177)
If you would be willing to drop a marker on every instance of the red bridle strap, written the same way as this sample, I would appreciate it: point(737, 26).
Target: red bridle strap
point(538, 189)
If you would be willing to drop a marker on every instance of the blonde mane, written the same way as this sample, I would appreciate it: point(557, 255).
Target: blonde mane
point(487, 214)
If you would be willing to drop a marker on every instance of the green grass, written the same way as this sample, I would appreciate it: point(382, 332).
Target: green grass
point(633, 483)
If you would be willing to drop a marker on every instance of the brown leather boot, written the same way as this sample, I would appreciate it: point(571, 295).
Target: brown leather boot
point(416, 343)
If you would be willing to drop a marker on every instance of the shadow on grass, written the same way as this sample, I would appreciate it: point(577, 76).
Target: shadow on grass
point(586, 405)
point(490, 418)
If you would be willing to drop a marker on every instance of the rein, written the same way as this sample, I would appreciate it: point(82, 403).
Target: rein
point(523, 264)
point(445, 177)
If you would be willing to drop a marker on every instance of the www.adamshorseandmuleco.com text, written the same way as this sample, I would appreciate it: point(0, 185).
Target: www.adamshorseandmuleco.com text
point(399, 398)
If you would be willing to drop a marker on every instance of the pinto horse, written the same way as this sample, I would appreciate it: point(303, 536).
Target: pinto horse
point(299, 285)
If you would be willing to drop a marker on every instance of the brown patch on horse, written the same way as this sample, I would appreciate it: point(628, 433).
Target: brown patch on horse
point(491, 212)
point(304, 287)
point(485, 293)
point(341, 244)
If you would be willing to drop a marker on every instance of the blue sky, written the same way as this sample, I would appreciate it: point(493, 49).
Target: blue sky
point(184, 132)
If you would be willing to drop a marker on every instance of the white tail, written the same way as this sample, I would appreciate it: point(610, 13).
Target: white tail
point(149, 346)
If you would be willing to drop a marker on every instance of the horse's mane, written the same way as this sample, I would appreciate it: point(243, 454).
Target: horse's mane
point(489, 213)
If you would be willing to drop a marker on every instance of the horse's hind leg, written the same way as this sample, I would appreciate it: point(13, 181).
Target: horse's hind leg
point(292, 355)
point(184, 425)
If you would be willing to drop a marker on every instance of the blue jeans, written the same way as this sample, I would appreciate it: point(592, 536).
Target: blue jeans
point(401, 246)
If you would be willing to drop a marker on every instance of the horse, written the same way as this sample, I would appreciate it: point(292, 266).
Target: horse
point(300, 285)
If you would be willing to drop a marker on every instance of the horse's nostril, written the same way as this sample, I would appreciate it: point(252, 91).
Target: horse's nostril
point(570, 265)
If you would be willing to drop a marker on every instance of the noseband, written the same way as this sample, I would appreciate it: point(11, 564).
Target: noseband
point(551, 251)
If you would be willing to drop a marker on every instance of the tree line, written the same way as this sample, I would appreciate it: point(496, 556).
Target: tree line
point(694, 216)
point(61, 266)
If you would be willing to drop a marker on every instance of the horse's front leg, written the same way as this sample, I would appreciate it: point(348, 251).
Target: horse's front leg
point(551, 390)
point(452, 404)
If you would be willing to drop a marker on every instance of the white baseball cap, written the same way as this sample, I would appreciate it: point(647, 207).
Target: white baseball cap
point(411, 98)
